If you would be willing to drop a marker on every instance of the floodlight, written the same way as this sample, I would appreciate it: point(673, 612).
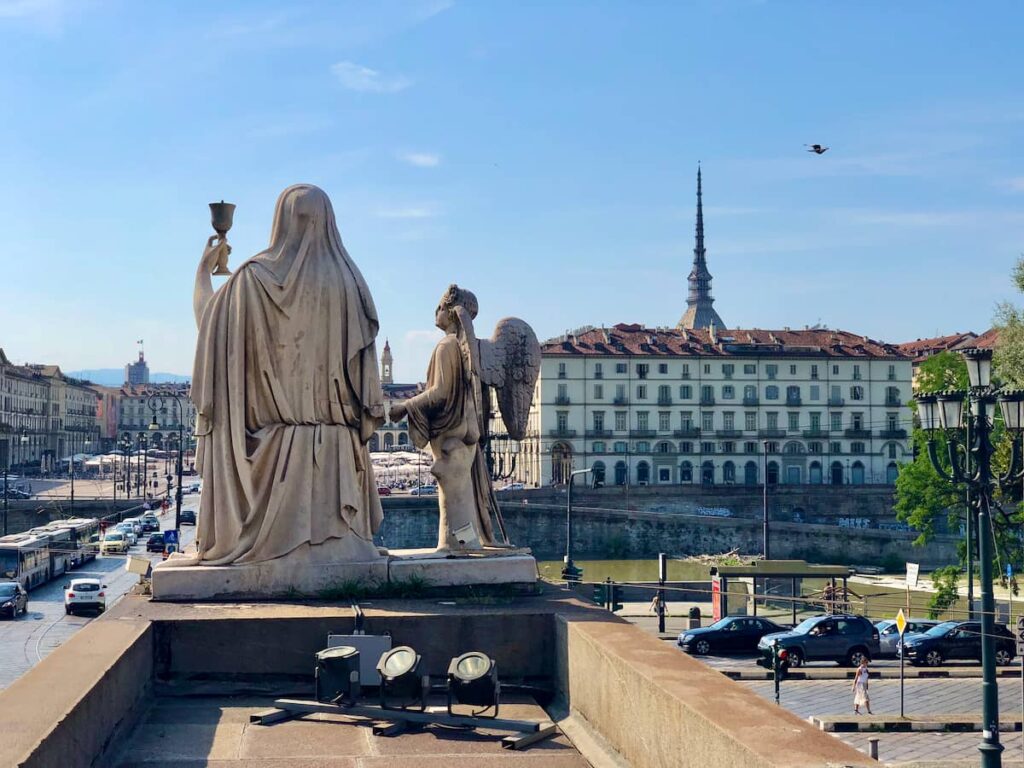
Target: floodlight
point(399, 677)
point(473, 680)
point(337, 674)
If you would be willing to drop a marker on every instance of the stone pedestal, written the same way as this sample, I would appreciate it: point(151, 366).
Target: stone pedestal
point(514, 567)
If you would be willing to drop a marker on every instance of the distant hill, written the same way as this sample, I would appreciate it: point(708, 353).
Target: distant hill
point(114, 377)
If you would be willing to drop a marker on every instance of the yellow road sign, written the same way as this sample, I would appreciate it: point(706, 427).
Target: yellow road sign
point(901, 622)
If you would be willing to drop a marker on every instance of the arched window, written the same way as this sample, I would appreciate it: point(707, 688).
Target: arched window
point(728, 473)
point(836, 473)
point(403, 438)
point(892, 471)
point(707, 473)
point(620, 473)
point(686, 472)
point(750, 473)
point(793, 447)
point(643, 473)
point(857, 473)
point(374, 442)
point(773, 473)
point(389, 441)
point(815, 473)
point(561, 463)
point(597, 473)
point(664, 447)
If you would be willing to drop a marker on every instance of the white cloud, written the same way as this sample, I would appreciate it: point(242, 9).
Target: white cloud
point(420, 159)
point(409, 212)
point(356, 77)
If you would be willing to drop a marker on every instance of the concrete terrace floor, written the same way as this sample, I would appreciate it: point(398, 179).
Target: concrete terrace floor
point(216, 732)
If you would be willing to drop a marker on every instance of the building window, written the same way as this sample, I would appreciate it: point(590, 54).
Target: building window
point(856, 371)
point(773, 420)
point(892, 396)
point(771, 370)
point(794, 421)
point(686, 472)
point(728, 392)
point(664, 475)
point(561, 370)
point(620, 473)
point(707, 447)
point(814, 447)
point(620, 367)
point(857, 392)
point(892, 422)
point(664, 447)
point(750, 421)
point(771, 392)
point(598, 372)
point(643, 446)
point(857, 420)
point(749, 368)
point(563, 393)
point(641, 370)
point(707, 367)
point(685, 392)
point(750, 447)
point(664, 421)
point(599, 392)
point(728, 472)
point(835, 370)
point(815, 392)
point(664, 395)
point(621, 446)
point(727, 370)
point(773, 447)
point(892, 450)
point(815, 418)
point(814, 370)
point(792, 370)
point(707, 421)
point(686, 420)
point(728, 420)
point(641, 420)
point(750, 393)
point(620, 393)
point(562, 420)
point(750, 473)
point(837, 422)
point(598, 446)
point(707, 394)
point(686, 371)
point(641, 391)
point(598, 421)
point(728, 447)
point(835, 447)
point(686, 447)
point(892, 373)
point(662, 367)
point(620, 421)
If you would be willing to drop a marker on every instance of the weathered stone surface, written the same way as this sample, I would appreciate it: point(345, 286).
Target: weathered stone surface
point(464, 570)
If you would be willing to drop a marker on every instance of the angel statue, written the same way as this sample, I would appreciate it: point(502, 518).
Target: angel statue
point(452, 415)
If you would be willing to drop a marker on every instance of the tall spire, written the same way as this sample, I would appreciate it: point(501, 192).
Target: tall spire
point(700, 311)
point(386, 365)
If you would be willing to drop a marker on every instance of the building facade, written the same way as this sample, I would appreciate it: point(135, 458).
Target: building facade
point(24, 420)
point(143, 406)
point(392, 436)
point(137, 374)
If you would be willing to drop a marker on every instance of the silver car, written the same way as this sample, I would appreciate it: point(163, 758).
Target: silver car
point(889, 636)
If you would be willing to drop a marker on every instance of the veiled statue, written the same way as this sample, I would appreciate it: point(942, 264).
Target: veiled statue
point(452, 415)
point(287, 394)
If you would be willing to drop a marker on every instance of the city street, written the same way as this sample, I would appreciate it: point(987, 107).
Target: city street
point(26, 640)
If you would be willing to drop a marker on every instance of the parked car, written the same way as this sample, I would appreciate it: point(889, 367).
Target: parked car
point(136, 524)
point(955, 640)
point(733, 634)
point(129, 533)
point(423, 490)
point(383, 490)
point(13, 599)
point(513, 487)
point(194, 488)
point(155, 543)
point(889, 634)
point(115, 543)
point(16, 493)
point(188, 517)
point(84, 595)
point(150, 522)
point(842, 638)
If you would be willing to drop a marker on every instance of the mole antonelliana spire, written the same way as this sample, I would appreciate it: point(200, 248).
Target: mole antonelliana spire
point(700, 311)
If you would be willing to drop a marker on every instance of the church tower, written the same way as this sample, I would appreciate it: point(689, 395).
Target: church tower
point(385, 365)
point(700, 311)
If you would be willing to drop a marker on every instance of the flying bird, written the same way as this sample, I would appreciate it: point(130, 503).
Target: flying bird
point(816, 149)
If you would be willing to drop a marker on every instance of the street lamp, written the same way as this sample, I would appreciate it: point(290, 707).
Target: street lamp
point(970, 465)
point(570, 572)
point(155, 402)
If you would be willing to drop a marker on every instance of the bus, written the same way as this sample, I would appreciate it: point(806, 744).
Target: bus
point(59, 545)
point(24, 558)
point(82, 531)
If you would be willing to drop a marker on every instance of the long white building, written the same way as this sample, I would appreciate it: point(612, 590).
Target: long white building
point(701, 404)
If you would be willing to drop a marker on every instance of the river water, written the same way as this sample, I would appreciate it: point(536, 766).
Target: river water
point(627, 571)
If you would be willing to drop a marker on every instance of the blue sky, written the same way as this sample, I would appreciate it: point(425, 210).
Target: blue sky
point(541, 154)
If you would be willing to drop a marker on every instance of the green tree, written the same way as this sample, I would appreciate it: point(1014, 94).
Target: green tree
point(947, 590)
point(946, 370)
point(1009, 322)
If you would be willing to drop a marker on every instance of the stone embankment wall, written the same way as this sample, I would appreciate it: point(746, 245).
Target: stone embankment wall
point(608, 533)
point(25, 514)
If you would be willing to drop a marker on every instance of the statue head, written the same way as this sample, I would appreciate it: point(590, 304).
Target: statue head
point(453, 299)
point(298, 208)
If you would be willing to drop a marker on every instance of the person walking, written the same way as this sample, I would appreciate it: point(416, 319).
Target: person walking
point(860, 688)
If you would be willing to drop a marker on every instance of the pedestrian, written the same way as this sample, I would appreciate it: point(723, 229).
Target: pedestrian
point(860, 687)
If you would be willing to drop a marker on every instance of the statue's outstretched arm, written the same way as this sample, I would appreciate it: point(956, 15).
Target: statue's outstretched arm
point(204, 286)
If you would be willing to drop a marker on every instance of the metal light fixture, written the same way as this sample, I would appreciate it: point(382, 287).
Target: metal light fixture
point(1011, 403)
point(337, 674)
point(399, 678)
point(979, 366)
point(928, 412)
point(473, 680)
point(951, 409)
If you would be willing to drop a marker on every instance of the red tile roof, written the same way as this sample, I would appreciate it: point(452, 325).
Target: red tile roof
point(923, 348)
point(630, 340)
point(987, 340)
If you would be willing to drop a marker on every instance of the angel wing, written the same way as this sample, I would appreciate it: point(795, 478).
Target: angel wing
point(510, 363)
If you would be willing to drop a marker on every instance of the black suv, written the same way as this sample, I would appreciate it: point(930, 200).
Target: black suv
point(13, 599)
point(956, 640)
point(187, 517)
point(842, 638)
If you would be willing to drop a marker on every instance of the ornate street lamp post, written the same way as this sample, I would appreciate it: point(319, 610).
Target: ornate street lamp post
point(970, 464)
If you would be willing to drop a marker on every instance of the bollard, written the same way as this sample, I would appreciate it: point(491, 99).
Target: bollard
point(873, 747)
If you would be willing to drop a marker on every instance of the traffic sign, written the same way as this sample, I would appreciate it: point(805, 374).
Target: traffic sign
point(913, 569)
point(901, 622)
point(1020, 637)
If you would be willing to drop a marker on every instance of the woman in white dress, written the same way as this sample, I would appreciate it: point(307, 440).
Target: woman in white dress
point(860, 688)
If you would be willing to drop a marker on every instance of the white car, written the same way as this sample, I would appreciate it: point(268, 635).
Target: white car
point(114, 542)
point(85, 595)
point(129, 532)
point(136, 524)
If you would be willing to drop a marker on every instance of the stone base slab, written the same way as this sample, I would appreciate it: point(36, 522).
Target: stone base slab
point(287, 578)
